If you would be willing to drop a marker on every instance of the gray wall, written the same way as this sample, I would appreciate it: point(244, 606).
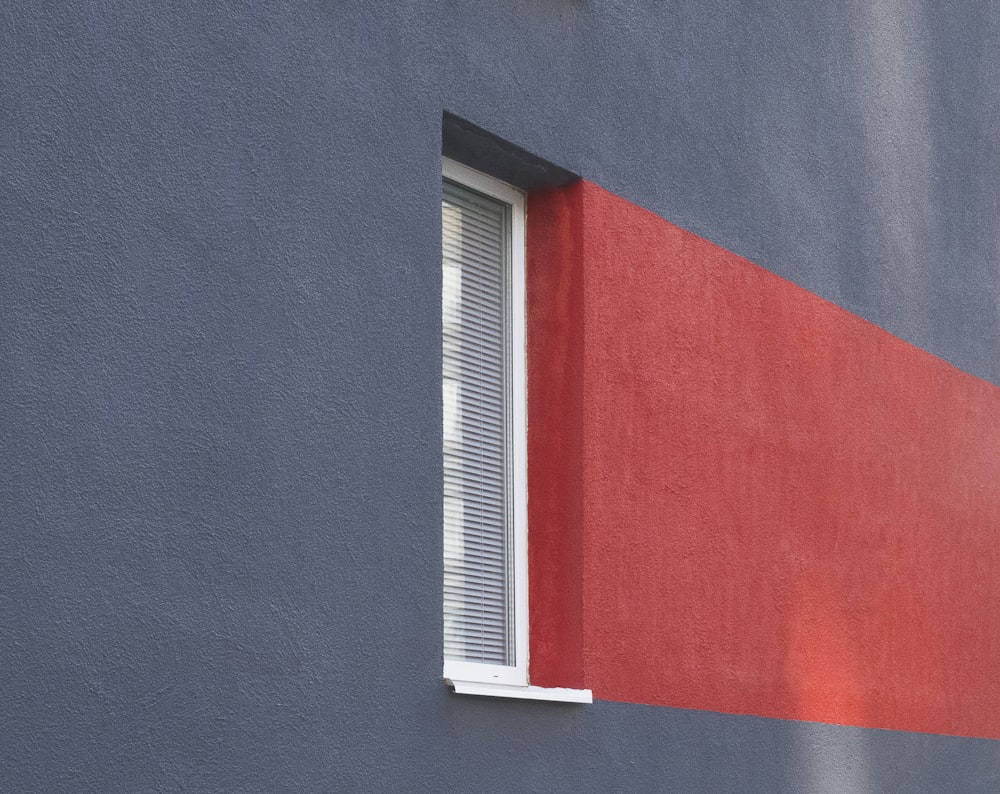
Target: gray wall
point(220, 354)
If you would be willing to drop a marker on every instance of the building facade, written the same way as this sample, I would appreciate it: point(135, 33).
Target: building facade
point(762, 320)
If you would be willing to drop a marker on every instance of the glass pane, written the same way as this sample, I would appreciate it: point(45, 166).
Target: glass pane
point(475, 392)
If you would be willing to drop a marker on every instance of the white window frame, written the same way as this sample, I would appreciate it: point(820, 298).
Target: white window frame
point(476, 678)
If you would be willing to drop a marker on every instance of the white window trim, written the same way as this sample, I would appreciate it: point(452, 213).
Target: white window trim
point(473, 678)
point(553, 694)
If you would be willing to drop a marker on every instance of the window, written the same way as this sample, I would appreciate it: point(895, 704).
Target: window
point(485, 438)
point(485, 625)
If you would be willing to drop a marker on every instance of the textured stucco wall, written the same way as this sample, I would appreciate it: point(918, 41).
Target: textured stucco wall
point(219, 344)
point(745, 498)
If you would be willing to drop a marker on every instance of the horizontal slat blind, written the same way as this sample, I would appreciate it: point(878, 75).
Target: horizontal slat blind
point(476, 392)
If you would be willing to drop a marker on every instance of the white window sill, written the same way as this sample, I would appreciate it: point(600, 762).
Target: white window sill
point(554, 694)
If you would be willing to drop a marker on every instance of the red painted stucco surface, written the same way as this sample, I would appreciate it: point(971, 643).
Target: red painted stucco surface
point(744, 498)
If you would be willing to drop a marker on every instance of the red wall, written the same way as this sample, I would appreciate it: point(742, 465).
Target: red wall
point(746, 499)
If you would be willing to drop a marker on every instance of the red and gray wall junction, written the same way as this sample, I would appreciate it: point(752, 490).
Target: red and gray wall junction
point(763, 382)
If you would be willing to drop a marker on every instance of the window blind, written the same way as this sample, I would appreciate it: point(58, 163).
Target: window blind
point(476, 386)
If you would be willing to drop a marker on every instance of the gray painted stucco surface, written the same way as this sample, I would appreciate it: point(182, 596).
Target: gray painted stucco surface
point(219, 358)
